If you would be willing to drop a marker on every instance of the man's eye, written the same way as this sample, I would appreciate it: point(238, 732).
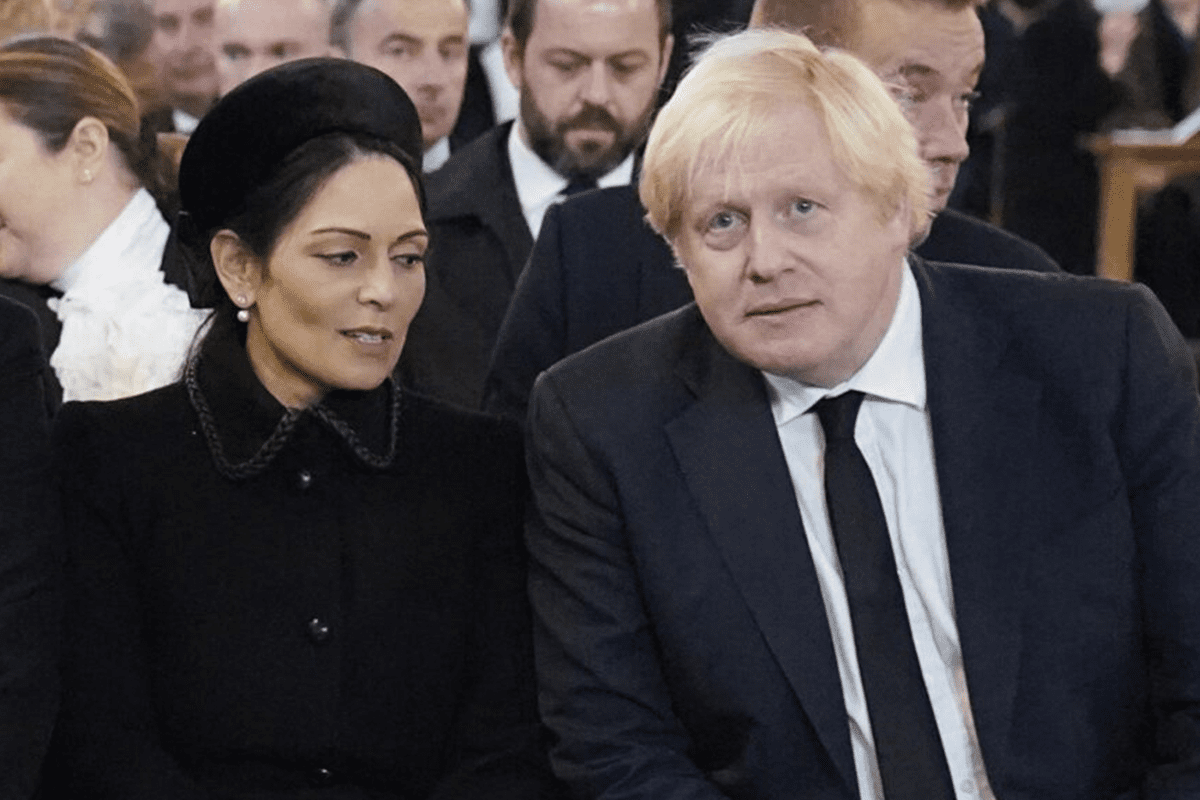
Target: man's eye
point(802, 208)
point(235, 52)
point(722, 221)
point(968, 99)
point(567, 67)
point(168, 25)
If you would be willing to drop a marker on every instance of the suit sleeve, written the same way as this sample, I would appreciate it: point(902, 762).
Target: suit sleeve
point(601, 687)
point(29, 584)
point(1158, 436)
point(533, 335)
point(107, 744)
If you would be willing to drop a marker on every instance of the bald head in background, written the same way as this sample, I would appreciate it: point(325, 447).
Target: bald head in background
point(255, 35)
point(930, 52)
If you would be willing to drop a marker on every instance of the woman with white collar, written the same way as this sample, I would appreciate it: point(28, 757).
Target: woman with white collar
point(76, 215)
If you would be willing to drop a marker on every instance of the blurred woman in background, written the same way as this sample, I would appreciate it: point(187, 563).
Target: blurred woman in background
point(76, 215)
point(286, 577)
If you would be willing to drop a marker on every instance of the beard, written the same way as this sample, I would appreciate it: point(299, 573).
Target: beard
point(590, 160)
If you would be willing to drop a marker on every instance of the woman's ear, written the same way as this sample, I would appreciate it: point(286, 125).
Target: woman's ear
point(239, 270)
point(88, 146)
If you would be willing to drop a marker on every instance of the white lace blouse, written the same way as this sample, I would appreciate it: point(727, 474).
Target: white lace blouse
point(125, 331)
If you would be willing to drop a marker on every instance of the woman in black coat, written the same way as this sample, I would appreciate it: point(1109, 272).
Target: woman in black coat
point(288, 578)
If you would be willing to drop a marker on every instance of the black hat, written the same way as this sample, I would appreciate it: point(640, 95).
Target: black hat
point(246, 136)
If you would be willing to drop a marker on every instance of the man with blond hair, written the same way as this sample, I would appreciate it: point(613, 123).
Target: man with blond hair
point(597, 269)
point(857, 525)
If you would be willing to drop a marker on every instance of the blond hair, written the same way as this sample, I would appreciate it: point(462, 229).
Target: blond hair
point(742, 81)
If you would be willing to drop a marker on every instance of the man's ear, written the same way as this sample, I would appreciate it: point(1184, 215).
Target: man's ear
point(667, 47)
point(513, 57)
point(88, 146)
point(238, 269)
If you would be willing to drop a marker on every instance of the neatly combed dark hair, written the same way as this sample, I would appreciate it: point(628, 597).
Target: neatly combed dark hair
point(275, 203)
point(341, 17)
point(48, 84)
point(520, 14)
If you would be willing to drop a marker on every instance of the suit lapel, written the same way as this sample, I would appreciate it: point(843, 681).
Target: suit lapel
point(985, 414)
point(731, 458)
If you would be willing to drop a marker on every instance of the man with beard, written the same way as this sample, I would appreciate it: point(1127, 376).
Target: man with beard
point(588, 73)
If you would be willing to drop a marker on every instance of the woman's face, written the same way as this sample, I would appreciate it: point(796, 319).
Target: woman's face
point(333, 302)
point(35, 189)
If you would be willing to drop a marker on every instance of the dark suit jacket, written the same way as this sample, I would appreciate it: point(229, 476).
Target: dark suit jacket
point(479, 242)
point(682, 644)
point(324, 628)
point(599, 268)
point(29, 548)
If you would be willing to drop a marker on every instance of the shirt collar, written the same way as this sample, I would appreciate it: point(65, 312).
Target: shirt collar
point(537, 183)
point(138, 225)
point(437, 155)
point(894, 372)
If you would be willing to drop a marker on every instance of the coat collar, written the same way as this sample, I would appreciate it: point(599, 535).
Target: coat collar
point(477, 182)
point(245, 426)
point(984, 410)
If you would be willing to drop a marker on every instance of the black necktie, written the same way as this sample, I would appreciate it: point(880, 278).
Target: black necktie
point(578, 184)
point(912, 763)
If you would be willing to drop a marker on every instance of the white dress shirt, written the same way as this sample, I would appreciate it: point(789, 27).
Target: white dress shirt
point(125, 331)
point(437, 155)
point(893, 431)
point(539, 186)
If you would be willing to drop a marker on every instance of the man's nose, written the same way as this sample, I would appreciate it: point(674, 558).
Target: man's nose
point(768, 255)
point(942, 129)
point(597, 88)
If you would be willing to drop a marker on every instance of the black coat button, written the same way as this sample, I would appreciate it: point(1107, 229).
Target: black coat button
point(304, 479)
point(322, 777)
point(318, 630)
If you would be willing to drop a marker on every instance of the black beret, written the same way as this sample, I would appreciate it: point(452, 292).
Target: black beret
point(244, 138)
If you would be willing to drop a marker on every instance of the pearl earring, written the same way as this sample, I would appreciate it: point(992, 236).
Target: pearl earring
point(243, 314)
point(87, 176)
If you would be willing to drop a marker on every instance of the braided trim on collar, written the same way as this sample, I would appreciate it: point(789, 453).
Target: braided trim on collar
point(287, 423)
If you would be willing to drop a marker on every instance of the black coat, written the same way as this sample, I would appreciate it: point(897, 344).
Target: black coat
point(479, 242)
point(29, 613)
point(598, 268)
point(331, 625)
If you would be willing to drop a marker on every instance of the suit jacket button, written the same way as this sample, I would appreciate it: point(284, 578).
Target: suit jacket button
point(318, 630)
point(304, 479)
point(321, 777)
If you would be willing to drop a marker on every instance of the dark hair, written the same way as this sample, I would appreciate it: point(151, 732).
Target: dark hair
point(519, 19)
point(48, 84)
point(341, 17)
point(270, 207)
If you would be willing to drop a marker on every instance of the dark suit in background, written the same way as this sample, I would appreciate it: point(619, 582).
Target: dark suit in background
point(683, 646)
point(29, 554)
point(598, 268)
point(479, 242)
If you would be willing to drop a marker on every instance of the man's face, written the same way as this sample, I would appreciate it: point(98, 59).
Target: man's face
point(255, 35)
point(182, 44)
point(588, 79)
point(422, 45)
point(791, 265)
point(933, 57)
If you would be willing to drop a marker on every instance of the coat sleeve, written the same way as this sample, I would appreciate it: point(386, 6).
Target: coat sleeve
point(107, 745)
point(533, 335)
point(1158, 437)
point(29, 563)
point(601, 687)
